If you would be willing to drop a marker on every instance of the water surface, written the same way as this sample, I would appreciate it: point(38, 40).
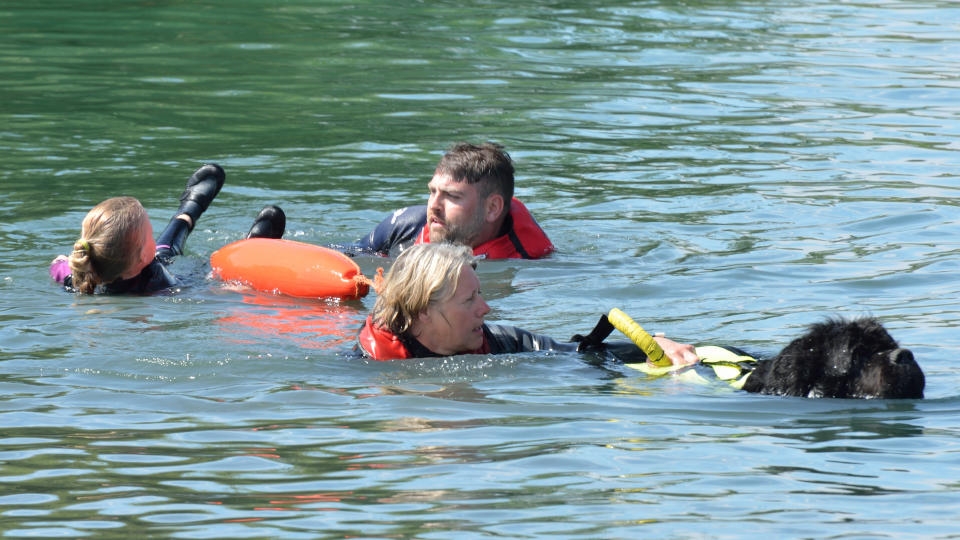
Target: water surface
point(724, 171)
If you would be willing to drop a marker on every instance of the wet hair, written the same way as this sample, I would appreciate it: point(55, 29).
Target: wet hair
point(423, 275)
point(487, 164)
point(107, 246)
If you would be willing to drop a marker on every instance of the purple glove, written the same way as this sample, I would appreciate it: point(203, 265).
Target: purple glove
point(60, 269)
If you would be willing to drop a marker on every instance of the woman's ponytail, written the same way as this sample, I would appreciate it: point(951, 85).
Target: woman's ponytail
point(85, 278)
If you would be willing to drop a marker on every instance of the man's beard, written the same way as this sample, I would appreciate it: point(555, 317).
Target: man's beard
point(460, 234)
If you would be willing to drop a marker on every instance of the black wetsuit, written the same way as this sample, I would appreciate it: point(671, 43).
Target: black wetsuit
point(399, 231)
point(380, 344)
point(154, 277)
point(504, 340)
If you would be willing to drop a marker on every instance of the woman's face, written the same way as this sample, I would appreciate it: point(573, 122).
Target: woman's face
point(147, 246)
point(454, 326)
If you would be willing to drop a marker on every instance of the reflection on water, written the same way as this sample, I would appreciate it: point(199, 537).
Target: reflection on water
point(322, 324)
point(725, 172)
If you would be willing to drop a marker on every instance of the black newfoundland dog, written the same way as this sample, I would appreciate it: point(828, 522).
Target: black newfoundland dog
point(840, 359)
point(837, 358)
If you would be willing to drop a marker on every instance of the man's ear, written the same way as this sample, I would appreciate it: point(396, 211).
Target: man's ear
point(493, 207)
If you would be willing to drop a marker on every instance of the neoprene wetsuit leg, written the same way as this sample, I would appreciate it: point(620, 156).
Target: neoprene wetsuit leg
point(202, 187)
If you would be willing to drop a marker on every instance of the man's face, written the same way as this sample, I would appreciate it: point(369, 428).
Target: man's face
point(454, 211)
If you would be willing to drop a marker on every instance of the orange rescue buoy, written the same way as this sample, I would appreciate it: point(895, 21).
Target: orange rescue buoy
point(291, 268)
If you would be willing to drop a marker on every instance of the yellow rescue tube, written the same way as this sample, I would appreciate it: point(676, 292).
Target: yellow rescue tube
point(291, 268)
point(622, 322)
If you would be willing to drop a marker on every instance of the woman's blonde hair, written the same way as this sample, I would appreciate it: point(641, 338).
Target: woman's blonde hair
point(423, 275)
point(107, 246)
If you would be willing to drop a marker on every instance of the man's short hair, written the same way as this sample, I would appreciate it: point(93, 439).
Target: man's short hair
point(487, 164)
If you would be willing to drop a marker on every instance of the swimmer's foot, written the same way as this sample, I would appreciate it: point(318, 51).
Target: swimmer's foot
point(269, 223)
point(202, 188)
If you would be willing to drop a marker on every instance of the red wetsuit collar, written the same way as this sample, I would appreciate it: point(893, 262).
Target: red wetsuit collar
point(380, 343)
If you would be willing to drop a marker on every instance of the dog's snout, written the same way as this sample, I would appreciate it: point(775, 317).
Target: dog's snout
point(901, 356)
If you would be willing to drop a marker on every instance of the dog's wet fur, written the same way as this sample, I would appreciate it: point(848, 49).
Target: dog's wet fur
point(841, 358)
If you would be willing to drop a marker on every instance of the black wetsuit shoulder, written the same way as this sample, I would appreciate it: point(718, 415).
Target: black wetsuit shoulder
point(397, 231)
point(154, 277)
point(510, 339)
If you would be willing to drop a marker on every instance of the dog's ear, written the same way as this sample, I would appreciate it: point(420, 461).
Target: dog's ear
point(848, 347)
point(792, 372)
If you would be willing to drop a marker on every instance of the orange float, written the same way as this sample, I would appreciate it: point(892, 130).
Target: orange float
point(291, 268)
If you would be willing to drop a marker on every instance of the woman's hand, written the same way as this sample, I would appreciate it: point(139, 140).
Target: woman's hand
point(681, 354)
point(60, 268)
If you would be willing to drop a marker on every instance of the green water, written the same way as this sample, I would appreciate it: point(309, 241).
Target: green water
point(723, 171)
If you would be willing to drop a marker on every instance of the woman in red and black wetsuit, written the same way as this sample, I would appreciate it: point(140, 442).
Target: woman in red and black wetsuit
point(430, 304)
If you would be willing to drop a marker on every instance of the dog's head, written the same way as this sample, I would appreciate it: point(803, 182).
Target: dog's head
point(841, 359)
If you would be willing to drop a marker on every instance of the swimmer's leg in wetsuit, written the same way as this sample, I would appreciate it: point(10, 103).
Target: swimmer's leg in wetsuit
point(269, 223)
point(202, 187)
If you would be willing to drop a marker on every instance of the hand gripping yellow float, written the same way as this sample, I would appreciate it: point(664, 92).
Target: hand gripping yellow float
point(729, 364)
point(640, 337)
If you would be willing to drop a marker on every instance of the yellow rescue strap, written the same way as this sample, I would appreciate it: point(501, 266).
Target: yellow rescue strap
point(640, 337)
